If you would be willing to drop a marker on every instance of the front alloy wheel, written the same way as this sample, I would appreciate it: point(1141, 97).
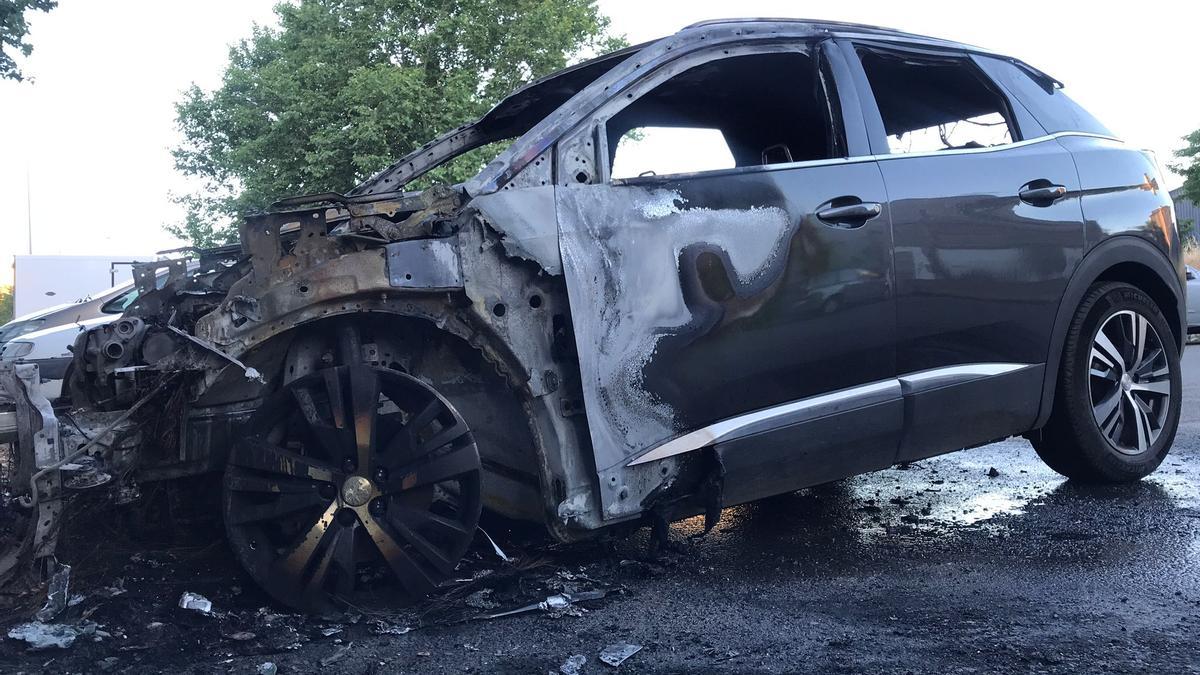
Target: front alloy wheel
point(352, 486)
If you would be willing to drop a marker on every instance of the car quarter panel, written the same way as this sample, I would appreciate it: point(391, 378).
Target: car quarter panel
point(1122, 193)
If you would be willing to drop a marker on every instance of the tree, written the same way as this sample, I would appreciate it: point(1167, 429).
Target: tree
point(13, 29)
point(1189, 168)
point(6, 303)
point(342, 88)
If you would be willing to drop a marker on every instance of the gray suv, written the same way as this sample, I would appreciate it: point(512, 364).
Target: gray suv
point(750, 257)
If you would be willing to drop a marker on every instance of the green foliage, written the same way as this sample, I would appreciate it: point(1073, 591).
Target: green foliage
point(345, 87)
point(6, 303)
point(13, 29)
point(1189, 166)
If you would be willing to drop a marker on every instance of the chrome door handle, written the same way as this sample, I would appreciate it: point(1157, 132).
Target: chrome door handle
point(851, 215)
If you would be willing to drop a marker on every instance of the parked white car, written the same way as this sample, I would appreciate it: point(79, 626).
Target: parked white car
point(107, 301)
point(48, 348)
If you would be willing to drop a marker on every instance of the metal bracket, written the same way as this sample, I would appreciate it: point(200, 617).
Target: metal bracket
point(425, 263)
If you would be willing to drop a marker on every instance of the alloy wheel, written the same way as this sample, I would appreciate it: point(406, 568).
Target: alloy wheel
point(352, 486)
point(1129, 380)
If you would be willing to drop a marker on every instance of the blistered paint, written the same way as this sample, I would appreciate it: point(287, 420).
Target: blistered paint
point(622, 248)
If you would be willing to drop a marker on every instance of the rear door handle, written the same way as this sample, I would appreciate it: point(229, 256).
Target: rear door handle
point(1041, 193)
point(850, 215)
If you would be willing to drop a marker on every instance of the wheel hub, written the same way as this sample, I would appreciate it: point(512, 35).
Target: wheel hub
point(1126, 382)
point(357, 491)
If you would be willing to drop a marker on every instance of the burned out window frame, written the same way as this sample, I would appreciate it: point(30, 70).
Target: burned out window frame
point(587, 144)
point(1021, 125)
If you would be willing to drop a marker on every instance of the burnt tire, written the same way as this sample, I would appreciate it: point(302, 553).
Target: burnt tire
point(1117, 403)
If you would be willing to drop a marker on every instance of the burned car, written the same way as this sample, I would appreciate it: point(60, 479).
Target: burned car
point(753, 256)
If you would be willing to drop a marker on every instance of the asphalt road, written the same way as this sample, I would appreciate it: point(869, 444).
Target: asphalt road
point(938, 567)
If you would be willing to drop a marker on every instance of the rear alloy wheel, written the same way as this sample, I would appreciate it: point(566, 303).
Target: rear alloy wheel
point(1116, 406)
point(352, 486)
point(1130, 382)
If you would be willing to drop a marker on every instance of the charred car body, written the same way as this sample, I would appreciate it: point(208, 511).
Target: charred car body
point(912, 246)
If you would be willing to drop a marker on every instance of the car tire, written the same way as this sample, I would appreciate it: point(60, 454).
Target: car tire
point(1092, 436)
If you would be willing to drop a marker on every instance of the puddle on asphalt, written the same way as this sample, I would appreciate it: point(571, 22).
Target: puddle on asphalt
point(938, 495)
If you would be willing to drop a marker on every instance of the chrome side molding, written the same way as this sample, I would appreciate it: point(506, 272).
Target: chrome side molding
point(815, 407)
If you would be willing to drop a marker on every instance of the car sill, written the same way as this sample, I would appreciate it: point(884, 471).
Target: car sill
point(815, 407)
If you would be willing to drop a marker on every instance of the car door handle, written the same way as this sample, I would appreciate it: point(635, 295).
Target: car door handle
point(1041, 193)
point(850, 215)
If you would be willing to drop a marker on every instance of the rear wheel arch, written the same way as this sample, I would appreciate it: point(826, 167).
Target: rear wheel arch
point(1125, 258)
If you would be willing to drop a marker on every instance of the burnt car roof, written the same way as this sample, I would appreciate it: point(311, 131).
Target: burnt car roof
point(540, 98)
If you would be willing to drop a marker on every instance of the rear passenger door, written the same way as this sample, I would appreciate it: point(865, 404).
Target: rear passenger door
point(987, 229)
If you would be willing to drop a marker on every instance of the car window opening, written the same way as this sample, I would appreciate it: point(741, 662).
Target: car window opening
point(753, 110)
point(933, 104)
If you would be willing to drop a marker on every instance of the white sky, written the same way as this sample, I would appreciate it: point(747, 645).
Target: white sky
point(93, 131)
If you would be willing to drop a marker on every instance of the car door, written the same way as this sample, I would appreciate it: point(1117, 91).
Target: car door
point(746, 293)
point(987, 228)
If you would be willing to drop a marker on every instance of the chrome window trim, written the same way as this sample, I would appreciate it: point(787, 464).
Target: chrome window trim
point(668, 177)
point(815, 407)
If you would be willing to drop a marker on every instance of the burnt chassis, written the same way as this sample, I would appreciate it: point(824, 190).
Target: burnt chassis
point(160, 394)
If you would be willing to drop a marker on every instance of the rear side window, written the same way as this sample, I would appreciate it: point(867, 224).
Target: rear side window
point(930, 103)
point(1046, 102)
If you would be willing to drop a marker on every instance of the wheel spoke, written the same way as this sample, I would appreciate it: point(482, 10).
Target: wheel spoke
point(337, 402)
point(343, 557)
point(1141, 425)
point(1140, 328)
point(285, 505)
point(1145, 367)
point(1109, 415)
point(403, 446)
point(1107, 352)
point(415, 580)
point(335, 441)
point(1159, 388)
point(419, 519)
point(424, 548)
point(445, 436)
point(295, 565)
point(364, 393)
point(337, 540)
point(241, 482)
point(255, 453)
point(1108, 373)
point(441, 468)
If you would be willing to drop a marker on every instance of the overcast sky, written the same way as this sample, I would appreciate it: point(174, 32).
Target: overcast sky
point(93, 130)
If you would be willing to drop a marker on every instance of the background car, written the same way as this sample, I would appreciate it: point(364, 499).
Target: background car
point(1193, 303)
point(89, 307)
point(44, 337)
point(48, 348)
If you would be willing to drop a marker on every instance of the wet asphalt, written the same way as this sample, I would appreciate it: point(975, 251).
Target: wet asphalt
point(941, 567)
